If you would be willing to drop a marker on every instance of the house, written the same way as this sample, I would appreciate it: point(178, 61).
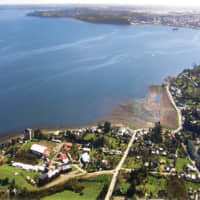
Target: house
point(67, 146)
point(155, 165)
point(56, 141)
point(104, 164)
point(127, 134)
point(146, 164)
point(148, 143)
point(39, 150)
point(173, 170)
point(121, 131)
point(164, 153)
point(66, 168)
point(85, 149)
point(167, 168)
point(28, 134)
point(27, 167)
point(105, 150)
point(56, 133)
point(47, 177)
point(172, 156)
point(157, 152)
point(113, 132)
point(115, 152)
point(85, 159)
point(161, 149)
point(78, 132)
point(191, 168)
point(62, 157)
point(193, 176)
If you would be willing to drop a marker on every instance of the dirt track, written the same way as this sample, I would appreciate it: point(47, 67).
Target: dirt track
point(168, 115)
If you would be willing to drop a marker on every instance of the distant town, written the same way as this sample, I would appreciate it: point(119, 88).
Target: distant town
point(125, 16)
point(111, 161)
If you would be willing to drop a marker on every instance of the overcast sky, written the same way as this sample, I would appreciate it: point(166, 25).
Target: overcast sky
point(137, 2)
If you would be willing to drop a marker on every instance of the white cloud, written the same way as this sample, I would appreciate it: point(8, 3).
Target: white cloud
point(146, 2)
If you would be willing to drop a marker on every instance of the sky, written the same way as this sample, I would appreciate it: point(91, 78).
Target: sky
point(122, 2)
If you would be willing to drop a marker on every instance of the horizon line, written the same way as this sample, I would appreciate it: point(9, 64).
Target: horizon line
point(99, 4)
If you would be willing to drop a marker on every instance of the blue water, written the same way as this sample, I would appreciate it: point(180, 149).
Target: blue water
point(65, 72)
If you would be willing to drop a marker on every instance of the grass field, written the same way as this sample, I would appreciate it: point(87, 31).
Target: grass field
point(27, 146)
point(154, 184)
point(132, 163)
point(93, 187)
point(90, 136)
point(8, 171)
point(180, 164)
point(194, 186)
point(124, 187)
point(166, 159)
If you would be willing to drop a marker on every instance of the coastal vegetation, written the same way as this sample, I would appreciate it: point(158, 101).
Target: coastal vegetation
point(160, 163)
point(123, 16)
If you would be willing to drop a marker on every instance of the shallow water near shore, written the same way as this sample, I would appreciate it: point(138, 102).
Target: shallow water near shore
point(63, 72)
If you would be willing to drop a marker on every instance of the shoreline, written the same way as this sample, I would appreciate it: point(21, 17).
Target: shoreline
point(118, 24)
point(138, 113)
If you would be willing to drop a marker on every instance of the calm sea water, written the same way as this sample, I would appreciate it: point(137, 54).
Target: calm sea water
point(66, 72)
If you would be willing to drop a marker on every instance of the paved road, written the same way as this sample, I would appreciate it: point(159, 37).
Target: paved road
point(193, 162)
point(180, 127)
point(180, 122)
point(117, 169)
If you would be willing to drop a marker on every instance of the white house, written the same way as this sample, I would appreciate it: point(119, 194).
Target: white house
point(122, 131)
point(85, 158)
point(39, 150)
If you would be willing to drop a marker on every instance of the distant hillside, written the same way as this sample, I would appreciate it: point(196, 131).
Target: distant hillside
point(85, 15)
point(186, 87)
point(124, 16)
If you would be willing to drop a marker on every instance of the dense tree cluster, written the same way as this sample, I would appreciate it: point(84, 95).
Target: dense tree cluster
point(156, 134)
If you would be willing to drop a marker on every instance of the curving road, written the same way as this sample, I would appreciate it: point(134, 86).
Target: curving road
point(180, 121)
point(180, 127)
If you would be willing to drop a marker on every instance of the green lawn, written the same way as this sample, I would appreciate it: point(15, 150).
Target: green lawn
point(124, 186)
point(154, 184)
point(195, 186)
point(8, 171)
point(166, 159)
point(74, 168)
point(132, 163)
point(180, 164)
point(27, 146)
point(93, 187)
point(90, 136)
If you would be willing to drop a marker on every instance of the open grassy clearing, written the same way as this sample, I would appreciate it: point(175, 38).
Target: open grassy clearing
point(89, 136)
point(132, 163)
point(180, 164)
point(20, 179)
point(194, 186)
point(154, 184)
point(93, 187)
